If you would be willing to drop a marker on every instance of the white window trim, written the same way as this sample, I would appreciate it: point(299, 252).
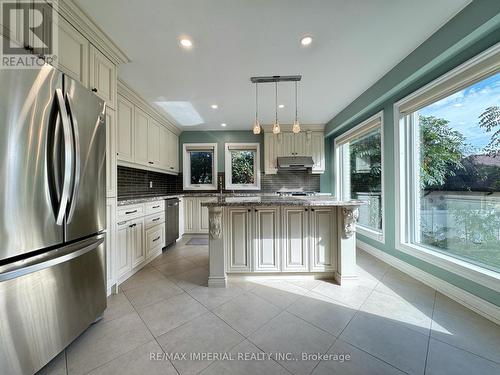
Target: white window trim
point(186, 166)
point(228, 167)
point(479, 69)
point(376, 121)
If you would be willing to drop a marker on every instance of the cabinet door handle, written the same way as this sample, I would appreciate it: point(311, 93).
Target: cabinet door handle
point(94, 89)
point(130, 212)
point(132, 225)
point(312, 209)
point(156, 219)
point(306, 210)
point(150, 162)
point(156, 239)
point(156, 206)
point(122, 222)
point(249, 210)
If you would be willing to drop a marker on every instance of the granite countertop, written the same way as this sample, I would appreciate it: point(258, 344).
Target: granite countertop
point(256, 200)
point(142, 199)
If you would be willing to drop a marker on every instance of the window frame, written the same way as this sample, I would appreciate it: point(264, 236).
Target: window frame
point(472, 71)
point(186, 166)
point(374, 122)
point(228, 147)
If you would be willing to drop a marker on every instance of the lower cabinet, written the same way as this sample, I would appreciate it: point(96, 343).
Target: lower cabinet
point(267, 239)
point(273, 239)
point(138, 239)
point(195, 215)
point(110, 242)
point(239, 239)
point(294, 235)
point(322, 239)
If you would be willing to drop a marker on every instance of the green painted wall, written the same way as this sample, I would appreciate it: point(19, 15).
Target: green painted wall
point(221, 137)
point(473, 30)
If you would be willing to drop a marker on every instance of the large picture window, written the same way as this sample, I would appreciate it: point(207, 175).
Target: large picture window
point(200, 166)
point(449, 143)
point(360, 173)
point(242, 162)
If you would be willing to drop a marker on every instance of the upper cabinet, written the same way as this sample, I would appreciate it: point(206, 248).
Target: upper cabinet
point(309, 142)
point(73, 52)
point(125, 130)
point(143, 140)
point(102, 78)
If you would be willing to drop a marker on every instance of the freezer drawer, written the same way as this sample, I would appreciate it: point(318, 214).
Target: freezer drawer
point(47, 302)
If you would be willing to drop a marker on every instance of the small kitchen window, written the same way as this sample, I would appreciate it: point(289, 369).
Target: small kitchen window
point(242, 162)
point(200, 166)
point(359, 174)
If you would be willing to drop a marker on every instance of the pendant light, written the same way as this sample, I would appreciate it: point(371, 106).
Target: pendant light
point(296, 125)
point(276, 126)
point(256, 124)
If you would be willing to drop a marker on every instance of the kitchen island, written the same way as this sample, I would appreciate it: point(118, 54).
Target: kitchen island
point(275, 235)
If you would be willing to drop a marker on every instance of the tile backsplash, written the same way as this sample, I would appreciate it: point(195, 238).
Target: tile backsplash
point(136, 182)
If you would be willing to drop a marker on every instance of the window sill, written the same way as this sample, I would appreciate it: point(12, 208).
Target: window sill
point(482, 276)
point(242, 187)
point(206, 187)
point(371, 233)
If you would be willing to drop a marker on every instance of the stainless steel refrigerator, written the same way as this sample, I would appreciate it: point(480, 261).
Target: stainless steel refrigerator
point(53, 215)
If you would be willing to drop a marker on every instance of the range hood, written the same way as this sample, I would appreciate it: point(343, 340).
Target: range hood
point(295, 163)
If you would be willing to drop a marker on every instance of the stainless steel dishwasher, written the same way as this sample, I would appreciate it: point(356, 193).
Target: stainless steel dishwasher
point(171, 221)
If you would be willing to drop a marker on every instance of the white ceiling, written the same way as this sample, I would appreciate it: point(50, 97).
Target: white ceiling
point(355, 43)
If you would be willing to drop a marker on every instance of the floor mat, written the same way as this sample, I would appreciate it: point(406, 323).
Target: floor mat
point(198, 241)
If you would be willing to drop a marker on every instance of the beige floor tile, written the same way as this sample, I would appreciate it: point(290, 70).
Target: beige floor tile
point(190, 279)
point(105, 341)
point(359, 363)
point(246, 313)
point(279, 293)
point(444, 359)
point(288, 334)
point(204, 334)
point(242, 363)
point(213, 297)
point(152, 292)
point(117, 306)
point(141, 278)
point(168, 314)
point(414, 314)
point(474, 334)
point(55, 367)
point(175, 266)
point(322, 312)
point(349, 294)
point(400, 284)
point(138, 361)
point(388, 340)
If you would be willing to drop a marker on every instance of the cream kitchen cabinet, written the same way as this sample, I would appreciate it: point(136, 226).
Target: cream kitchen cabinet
point(154, 143)
point(155, 239)
point(141, 128)
point(125, 130)
point(130, 245)
point(239, 239)
point(295, 239)
point(306, 143)
point(123, 264)
point(110, 243)
point(102, 77)
point(73, 52)
point(322, 236)
point(136, 241)
point(111, 172)
point(267, 239)
point(195, 215)
point(315, 147)
point(173, 152)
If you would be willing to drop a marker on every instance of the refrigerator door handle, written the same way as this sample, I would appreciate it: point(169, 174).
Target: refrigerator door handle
point(76, 180)
point(68, 157)
point(49, 259)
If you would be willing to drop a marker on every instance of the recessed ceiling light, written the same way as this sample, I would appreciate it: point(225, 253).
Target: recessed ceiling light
point(281, 106)
point(186, 43)
point(305, 41)
point(223, 124)
point(214, 106)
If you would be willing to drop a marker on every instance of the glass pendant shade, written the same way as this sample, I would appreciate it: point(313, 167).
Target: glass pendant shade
point(276, 128)
point(296, 127)
point(256, 127)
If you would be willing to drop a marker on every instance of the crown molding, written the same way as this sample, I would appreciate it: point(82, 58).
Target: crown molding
point(129, 93)
point(77, 17)
point(268, 128)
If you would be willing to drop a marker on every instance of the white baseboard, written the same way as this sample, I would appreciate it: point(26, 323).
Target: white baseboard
point(478, 305)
